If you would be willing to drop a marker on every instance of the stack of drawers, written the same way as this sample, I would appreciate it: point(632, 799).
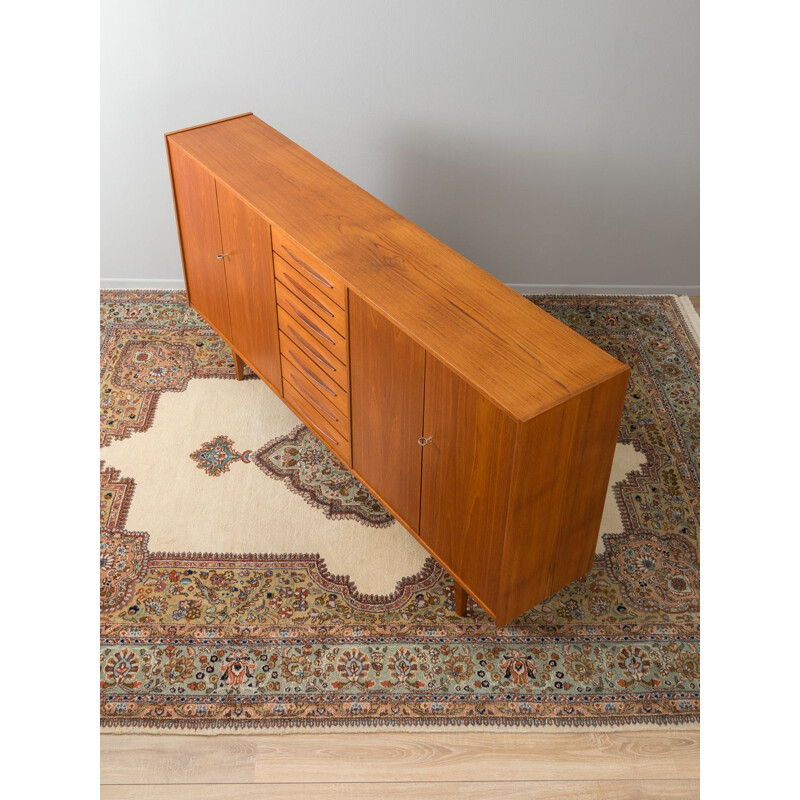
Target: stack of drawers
point(312, 329)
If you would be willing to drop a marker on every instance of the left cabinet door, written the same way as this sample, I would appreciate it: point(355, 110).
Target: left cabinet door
point(196, 205)
point(247, 247)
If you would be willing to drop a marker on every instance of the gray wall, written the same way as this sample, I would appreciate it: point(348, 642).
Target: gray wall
point(553, 142)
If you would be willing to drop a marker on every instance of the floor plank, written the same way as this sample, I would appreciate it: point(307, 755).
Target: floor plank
point(399, 756)
point(508, 790)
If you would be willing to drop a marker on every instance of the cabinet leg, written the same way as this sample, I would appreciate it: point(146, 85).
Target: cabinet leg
point(461, 600)
point(238, 365)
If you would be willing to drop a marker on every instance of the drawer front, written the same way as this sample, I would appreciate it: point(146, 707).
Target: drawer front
point(325, 408)
point(310, 324)
point(329, 435)
point(311, 295)
point(329, 389)
point(324, 279)
point(299, 349)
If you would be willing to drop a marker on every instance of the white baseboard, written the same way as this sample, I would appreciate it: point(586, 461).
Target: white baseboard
point(590, 288)
point(522, 288)
point(141, 283)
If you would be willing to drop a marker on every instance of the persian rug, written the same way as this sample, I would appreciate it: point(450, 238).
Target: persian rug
point(248, 581)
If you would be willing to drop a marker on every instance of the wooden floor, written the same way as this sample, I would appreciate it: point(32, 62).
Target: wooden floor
point(585, 765)
point(419, 765)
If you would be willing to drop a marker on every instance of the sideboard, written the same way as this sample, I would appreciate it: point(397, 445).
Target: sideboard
point(484, 425)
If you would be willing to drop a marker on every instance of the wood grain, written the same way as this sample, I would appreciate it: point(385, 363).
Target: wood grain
point(587, 475)
point(196, 201)
point(466, 468)
point(250, 283)
point(387, 390)
point(460, 790)
point(400, 756)
point(557, 492)
point(485, 332)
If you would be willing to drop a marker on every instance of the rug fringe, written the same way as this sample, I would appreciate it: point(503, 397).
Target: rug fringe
point(689, 723)
point(690, 317)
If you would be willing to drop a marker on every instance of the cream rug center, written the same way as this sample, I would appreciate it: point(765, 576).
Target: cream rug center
point(198, 489)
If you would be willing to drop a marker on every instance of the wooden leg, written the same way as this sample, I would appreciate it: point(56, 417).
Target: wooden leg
point(238, 365)
point(461, 600)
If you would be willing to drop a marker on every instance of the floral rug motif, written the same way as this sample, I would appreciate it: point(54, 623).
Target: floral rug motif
point(230, 641)
point(306, 466)
point(303, 463)
point(216, 456)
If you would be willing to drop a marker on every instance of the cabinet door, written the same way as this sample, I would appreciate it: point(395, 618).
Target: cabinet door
point(387, 382)
point(251, 287)
point(466, 467)
point(196, 200)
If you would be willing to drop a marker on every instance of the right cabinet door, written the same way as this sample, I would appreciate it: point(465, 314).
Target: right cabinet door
point(466, 466)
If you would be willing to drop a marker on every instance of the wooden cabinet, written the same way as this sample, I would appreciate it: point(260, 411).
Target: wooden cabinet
point(486, 426)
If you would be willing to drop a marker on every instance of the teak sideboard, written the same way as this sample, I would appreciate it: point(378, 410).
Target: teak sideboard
point(482, 423)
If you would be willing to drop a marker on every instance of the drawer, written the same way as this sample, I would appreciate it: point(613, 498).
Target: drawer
point(332, 438)
point(309, 322)
point(330, 390)
point(321, 276)
point(303, 352)
point(310, 294)
point(327, 409)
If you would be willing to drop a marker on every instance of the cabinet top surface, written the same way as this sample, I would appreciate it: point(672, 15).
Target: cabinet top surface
point(514, 353)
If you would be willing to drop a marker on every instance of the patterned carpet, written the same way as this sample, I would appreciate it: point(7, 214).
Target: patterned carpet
point(248, 581)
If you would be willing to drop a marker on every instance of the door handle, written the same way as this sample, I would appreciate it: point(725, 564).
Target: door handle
point(423, 440)
point(221, 256)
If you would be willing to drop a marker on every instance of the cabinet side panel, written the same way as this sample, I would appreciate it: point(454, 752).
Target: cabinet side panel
point(251, 285)
point(196, 201)
point(387, 384)
point(465, 480)
point(587, 480)
point(558, 489)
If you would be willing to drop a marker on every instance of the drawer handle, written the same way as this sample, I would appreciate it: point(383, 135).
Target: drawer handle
point(309, 298)
point(326, 432)
point(314, 327)
point(311, 350)
point(317, 405)
point(311, 271)
point(320, 383)
point(423, 440)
